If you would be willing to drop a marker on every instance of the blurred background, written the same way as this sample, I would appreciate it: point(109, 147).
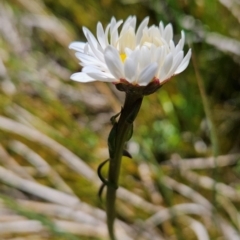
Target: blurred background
point(184, 179)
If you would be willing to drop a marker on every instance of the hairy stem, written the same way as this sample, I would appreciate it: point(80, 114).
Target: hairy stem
point(128, 114)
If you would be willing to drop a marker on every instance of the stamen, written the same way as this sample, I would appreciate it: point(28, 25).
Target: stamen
point(123, 57)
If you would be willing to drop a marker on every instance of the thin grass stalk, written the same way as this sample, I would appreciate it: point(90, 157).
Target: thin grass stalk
point(211, 126)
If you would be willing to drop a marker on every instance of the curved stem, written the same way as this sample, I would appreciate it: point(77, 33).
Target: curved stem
point(128, 114)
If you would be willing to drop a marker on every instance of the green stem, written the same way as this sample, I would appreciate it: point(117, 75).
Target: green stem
point(129, 112)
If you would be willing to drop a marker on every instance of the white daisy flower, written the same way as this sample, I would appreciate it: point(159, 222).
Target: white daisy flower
point(130, 56)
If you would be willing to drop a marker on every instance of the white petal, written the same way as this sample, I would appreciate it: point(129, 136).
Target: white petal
point(88, 59)
point(182, 40)
point(166, 67)
point(145, 57)
point(127, 40)
point(135, 55)
point(113, 62)
point(153, 53)
point(112, 23)
point(130, 22)
point(184, 62)
point(93, 43)
point(128, 51)
point(147, 74)
point(139, 33)
point(106, 34)
point(102, 77)
point(172, 45)
point(101, 35)
point(161, 28)
point(82, 77)
point(114, 33)
point(130, 68)
point(180, 44)
point(168, 32)
point(168, 62)
point(94, 48)
point(176, 61)
point(161, 53)
point(98, 70)
point(90, 36)
point(78, 46)
point(133, 22)
point(97, 74)
point(92, 68)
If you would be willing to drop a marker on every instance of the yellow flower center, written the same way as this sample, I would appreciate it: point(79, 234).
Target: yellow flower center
point(123, 57)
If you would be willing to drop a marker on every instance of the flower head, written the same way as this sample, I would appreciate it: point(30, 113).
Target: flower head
point(130, 56)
